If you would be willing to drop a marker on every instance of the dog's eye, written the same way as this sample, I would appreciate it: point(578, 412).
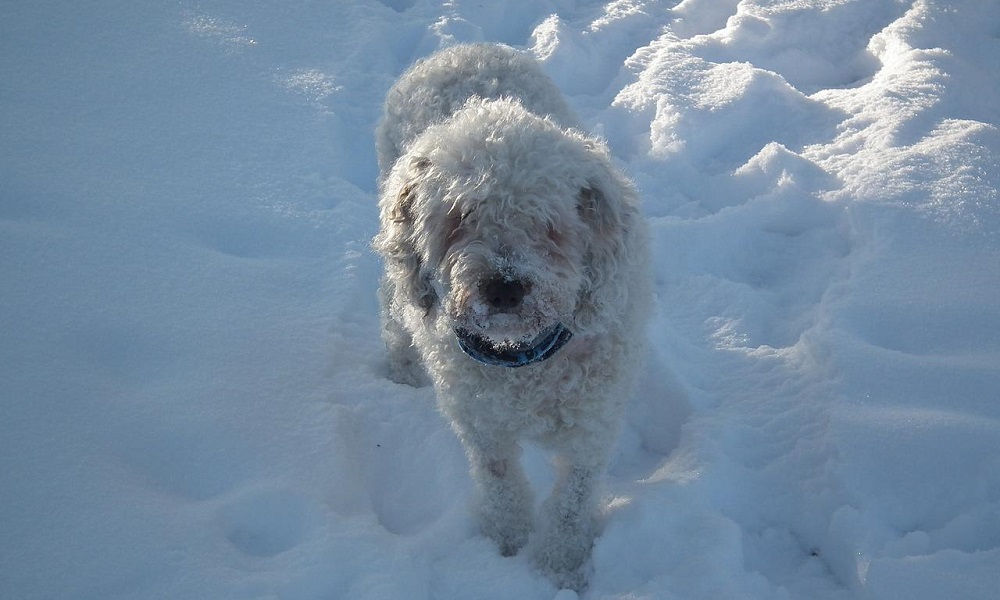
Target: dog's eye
point(454, 225)
point(586, 202)
point(460, 214)
point(553, 233)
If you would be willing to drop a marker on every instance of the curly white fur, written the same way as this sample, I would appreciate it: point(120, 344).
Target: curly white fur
point(485, 185)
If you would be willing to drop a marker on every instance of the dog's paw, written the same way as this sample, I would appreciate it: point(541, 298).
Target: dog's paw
point(566, 579)
point(510, 545)
point(575, 580)
point(407, 372)
point(510, 532)
point(563, 555)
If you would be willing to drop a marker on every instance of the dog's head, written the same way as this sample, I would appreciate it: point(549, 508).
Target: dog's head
point(505, 229)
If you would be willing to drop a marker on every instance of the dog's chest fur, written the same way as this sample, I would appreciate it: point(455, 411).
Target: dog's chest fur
point(545, 401)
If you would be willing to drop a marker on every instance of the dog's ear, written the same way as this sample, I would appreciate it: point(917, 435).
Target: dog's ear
point(397, 238)
point(401, 211)
point(609, 207)
point(599, 210)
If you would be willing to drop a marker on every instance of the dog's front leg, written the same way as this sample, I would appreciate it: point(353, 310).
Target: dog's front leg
point(568, 521)
point(504, 501)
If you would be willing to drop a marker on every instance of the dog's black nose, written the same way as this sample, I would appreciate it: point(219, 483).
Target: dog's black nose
point(503, 294)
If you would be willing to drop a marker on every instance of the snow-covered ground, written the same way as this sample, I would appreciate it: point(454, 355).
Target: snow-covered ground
point(192, 398)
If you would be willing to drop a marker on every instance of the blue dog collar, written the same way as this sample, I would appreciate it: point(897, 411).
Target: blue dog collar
point(514, 355)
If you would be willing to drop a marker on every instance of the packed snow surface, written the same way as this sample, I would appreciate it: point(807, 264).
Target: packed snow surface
point(194, 401)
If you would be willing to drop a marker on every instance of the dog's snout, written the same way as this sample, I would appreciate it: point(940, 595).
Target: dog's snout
point(503, 294)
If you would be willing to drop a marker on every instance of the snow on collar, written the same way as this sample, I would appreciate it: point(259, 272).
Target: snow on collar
point(512, 354)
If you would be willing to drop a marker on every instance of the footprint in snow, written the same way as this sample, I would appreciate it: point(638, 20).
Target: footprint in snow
point(267, 523)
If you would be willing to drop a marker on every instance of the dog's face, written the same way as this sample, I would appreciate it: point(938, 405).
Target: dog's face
point(497, 221)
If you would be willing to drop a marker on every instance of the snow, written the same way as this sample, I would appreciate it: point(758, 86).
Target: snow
point(193, 390)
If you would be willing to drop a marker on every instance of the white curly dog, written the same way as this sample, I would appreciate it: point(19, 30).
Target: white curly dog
point(517, 275)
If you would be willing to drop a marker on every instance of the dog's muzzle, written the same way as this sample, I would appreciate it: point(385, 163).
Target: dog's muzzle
point(514, 354)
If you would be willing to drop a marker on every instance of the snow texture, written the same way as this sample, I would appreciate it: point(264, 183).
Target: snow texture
point(194, 401)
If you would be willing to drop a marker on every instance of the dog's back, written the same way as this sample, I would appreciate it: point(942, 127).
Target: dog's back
point(434, 88)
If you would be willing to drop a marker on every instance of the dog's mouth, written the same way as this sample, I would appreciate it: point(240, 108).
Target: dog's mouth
point(516, 353)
